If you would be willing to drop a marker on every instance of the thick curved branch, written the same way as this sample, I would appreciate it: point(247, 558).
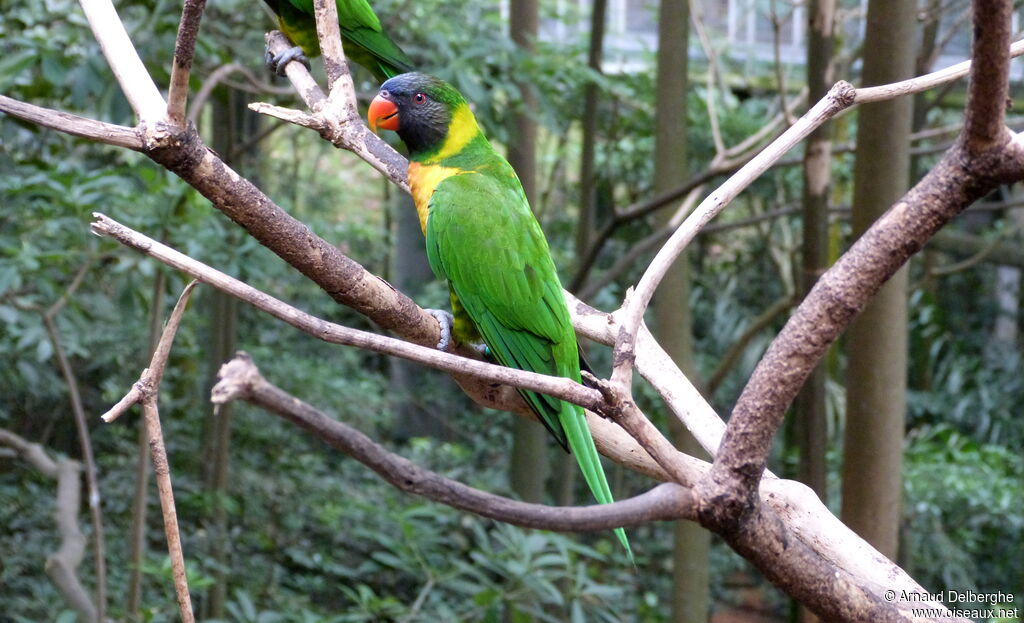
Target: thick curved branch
point(793, 564)
point(989, 87)
point(802, 512)
point(240, 380)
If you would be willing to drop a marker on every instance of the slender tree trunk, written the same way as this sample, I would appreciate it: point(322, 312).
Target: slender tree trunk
point(1008, 290)
point(811, 421)
point(588, 182)
point(923, 61)
point(877, 340)
point(528, 466)
point(409, 271)
point(567, 468)
point(232, 125)
point(690, 594)
point(224, 334)
point(140, 497)
point(89, 464)
point(920, 376)
point(810, 404)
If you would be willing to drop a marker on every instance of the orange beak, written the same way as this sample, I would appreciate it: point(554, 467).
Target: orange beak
point(382, 114)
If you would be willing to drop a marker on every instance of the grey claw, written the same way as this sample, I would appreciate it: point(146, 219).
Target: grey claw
point(278, 62)
point(444, 322)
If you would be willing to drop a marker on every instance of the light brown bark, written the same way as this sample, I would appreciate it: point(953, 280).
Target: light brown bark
point(811, 425)
point(877, 339)
point(691, 598)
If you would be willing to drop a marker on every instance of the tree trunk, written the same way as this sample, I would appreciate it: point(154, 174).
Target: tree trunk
point(232, 125)
point(877, 339)
point(811, 421)
point(223, 340)
point(810, 404)
point(690, 586)
point(588, 182)
point(528, 465)
point(140, 497)
point(409, 271)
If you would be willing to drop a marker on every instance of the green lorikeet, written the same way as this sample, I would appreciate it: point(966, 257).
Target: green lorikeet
point(361, 35)
point(484, 240)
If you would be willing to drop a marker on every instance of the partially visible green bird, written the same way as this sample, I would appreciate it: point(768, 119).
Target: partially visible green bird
point(484, 240)
point(362, 37)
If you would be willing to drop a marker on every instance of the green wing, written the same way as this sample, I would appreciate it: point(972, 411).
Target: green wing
point(497, 264)
point(367, 43)
point(361, 33)
point(483, 238)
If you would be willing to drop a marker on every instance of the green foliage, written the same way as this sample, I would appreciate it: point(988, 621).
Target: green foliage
point(963, 501)
point(967, 380)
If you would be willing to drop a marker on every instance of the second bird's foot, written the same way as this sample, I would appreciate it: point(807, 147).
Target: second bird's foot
point(484, 350)
point(278, 62)
point(444, 324)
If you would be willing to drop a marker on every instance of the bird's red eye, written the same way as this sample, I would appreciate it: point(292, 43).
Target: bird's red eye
point(419, 98)
point(384, 93)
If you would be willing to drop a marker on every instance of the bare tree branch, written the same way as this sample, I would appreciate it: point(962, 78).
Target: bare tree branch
point(147, 391)
point(338, 76)
point(780, 68)
point(136, 84)
point(926, 82)
point(558, 387)
point(611, 440)
point(697, 20)
point(793, 502)
point(839, 98)
point(107, 133)
point(78, 415)
point(240, 379)
point(184, 49)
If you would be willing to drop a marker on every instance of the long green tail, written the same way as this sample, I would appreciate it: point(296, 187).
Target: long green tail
point(574, 422)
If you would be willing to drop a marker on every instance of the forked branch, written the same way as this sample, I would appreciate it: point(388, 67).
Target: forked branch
point(146, 391)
